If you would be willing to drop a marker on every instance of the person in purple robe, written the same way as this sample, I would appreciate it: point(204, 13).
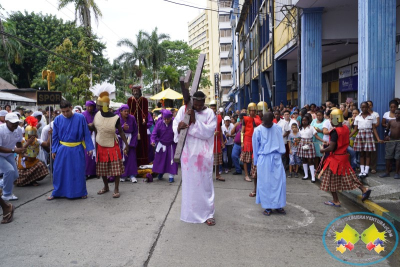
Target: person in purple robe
point(162, 139)
point(150, 128)
point(128, 123)
point(89, 113)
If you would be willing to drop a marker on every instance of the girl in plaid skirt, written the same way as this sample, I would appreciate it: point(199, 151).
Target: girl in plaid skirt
point(306, 149)
point(365, 124)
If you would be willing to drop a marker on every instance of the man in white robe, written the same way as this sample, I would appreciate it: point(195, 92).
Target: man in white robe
point(268, 147)
point(197, 161)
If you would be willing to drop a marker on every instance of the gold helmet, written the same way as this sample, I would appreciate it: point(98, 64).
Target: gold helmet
point(336, 116)
point(103, 92)
point(31, 128)
point(262, 106)
point(252, 106)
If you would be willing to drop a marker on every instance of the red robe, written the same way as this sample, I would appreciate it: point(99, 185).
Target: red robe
point(217, 136)
point(139, 109)
point(248, 132)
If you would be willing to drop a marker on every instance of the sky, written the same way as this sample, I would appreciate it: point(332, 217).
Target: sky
point(122, 18)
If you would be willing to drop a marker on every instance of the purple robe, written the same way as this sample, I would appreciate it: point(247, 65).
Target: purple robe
point(130, 162)
point(164, 135)
point(150, 123)
point(90, 168)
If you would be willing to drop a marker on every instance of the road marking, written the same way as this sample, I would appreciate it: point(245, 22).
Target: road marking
point(309, 219)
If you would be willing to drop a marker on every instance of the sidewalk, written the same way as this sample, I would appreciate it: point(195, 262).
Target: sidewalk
point(384, 199)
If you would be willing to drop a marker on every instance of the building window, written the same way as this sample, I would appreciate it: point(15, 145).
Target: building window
point(225, 33)
point(224, 18)
point(226, 61)
point(225, 47)
point(225, 4)
point(226, 76)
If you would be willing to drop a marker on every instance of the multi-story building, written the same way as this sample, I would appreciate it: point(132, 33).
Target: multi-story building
point(225, 46)
point(204, 35)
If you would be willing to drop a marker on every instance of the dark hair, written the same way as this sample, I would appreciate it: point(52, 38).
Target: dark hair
point(65, 104)
point(313, 105)
point(49, 108)
point(286, 111)
point(234, 115)
point(199, 94)
point(242, 115)
point(159, 105)
point(277, 111)
point(308, 119)
point(393, 102)
point(365, 102)
point(368, 101)
point(7, 106)
point(320, 111)
point(303, 112)
point(357, 110)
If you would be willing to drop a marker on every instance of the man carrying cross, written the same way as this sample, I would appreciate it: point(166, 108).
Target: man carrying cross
point(197, 161)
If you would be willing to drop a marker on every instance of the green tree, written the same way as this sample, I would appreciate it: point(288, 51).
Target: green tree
point(140, 53)
point(11, 51)
point(49, 32)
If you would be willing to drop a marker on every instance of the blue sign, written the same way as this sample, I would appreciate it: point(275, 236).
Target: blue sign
point(348, 84)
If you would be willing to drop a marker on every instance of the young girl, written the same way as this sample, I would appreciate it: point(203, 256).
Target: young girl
point(294, 160)
point(306, 147)
point(388, 116)
point(318, 125)
point(365, 124)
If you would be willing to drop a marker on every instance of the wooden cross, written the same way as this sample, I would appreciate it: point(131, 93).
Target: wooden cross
point(185, 82)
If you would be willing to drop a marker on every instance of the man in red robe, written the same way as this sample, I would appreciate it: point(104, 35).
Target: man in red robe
point(139, 108)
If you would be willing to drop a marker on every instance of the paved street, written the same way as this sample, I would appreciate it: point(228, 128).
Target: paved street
point(142, 228)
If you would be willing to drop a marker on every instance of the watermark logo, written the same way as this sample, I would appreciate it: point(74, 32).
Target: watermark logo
point(360, 238)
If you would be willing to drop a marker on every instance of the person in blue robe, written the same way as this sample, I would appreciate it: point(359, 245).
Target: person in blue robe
point(268, 147)
point(70, 137)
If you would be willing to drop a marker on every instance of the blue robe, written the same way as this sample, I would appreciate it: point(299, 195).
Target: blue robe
point(69, 166)
point(268, 148)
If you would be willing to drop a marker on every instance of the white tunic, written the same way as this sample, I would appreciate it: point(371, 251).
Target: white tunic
point(197, 166)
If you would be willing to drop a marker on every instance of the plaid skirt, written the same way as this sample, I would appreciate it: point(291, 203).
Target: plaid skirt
point(110, 168)
point(253, 171)
point(364, 141)
point(246, 156)
point(36, 173)
point(332, 182)
point(309, 153)
point(217, 158)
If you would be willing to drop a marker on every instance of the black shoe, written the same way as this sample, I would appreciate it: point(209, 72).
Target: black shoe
point(305, 178)
point(236, 173)
point(296, 175)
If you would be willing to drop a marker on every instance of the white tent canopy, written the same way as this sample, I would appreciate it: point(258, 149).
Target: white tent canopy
point(14, 98)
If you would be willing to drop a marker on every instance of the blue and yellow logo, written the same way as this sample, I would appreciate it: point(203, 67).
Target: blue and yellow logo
point(379, 238)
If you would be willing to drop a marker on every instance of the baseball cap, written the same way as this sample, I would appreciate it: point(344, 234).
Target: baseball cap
point(221, 110)
point(12, 117)
point(3, 113)
point(227, 118)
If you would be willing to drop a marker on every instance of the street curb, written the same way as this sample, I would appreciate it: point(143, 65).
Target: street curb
point(355, 196)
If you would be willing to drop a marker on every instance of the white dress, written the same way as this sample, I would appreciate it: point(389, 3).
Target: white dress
point(197, 166)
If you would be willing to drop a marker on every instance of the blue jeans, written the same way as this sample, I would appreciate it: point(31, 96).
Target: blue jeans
point(10, 173)
point(353, 158)
point(235, 157)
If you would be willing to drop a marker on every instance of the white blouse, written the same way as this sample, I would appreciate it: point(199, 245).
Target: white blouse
point(307, 132)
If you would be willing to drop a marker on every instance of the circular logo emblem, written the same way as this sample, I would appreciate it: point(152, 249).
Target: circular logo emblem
point(360, 238)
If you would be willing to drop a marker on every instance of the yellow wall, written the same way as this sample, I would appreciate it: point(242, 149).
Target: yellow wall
point(284, 32)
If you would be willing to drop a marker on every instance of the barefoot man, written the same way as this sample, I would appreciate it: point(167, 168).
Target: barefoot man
point(197, 161)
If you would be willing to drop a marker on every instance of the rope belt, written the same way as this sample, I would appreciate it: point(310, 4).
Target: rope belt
point(73, 144)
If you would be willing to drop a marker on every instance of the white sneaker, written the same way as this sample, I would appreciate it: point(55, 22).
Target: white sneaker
point(133, 180)
point(122, 179)
point(9, 198)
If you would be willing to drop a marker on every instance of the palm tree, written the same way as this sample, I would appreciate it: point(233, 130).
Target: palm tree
point(10, 50)
point(140, 52)
point(158, 53)
point(83, 11)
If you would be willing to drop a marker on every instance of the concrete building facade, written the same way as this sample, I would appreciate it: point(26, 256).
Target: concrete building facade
point(204, 35)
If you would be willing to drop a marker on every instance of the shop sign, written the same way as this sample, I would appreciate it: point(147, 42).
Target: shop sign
point(354, 69)
point(345, 72)
point(348, 84)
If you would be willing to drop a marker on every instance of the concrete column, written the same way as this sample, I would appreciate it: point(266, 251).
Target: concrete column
point(267, 97)
point(280, 74)
point(255, 96)
point(311, 56)
point(377, 57)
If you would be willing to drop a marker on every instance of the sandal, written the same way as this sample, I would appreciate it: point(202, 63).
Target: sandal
point(7, 218)
point(84, 197)
point(103, 191)
point(281, 211)
point(330, 203)
point(267, 212)
point(252, 194)
point(220, 179)
point(116, 195)
point(50, 198)
point(34, 184)
point(210, 222)
point(247, 179)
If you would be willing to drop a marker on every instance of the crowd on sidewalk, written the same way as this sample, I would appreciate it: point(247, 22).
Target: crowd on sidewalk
point(260, 143)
